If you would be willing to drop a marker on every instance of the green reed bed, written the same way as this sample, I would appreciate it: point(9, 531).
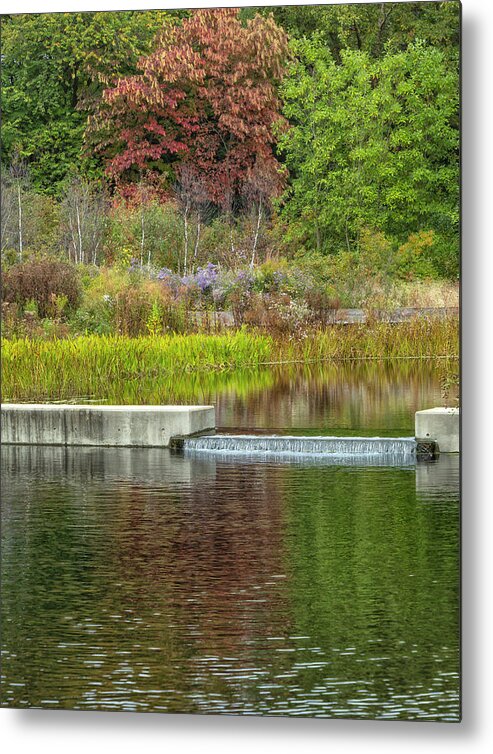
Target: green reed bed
point(89, 365)
point(120, 368)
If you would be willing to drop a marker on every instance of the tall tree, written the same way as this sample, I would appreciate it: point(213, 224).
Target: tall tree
point(374, 28)
point(54, 65)
point(83, 221)
point(206, 95)
point(15, 185)
point(372, 143)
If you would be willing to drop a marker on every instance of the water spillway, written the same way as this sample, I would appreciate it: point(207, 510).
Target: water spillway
point(295, 444)
point(385, 449)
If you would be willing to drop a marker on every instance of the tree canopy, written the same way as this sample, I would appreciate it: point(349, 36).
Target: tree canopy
point(54, 68)
point(372, 143)
point(346, 115)
point(205, 98)
point(374, 28)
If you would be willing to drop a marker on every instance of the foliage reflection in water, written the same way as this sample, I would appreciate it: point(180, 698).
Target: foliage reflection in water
point(138, 580)
point(351, 398)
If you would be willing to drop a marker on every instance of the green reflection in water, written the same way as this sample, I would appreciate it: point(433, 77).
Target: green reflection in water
point(375, 573)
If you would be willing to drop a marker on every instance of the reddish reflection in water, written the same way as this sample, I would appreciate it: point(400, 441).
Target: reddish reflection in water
point(138, 580)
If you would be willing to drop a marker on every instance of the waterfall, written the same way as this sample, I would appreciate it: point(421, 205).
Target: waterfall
point(381, 449)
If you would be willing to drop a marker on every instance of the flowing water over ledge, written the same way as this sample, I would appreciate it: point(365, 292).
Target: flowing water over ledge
point(395, 451)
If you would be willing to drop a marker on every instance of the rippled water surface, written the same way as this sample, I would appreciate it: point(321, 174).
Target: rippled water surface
point(141, 580)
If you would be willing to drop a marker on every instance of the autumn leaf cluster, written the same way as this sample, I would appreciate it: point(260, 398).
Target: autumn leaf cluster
point(205, 98)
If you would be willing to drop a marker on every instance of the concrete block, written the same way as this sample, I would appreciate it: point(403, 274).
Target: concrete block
point(440, 424)
point(103, 426)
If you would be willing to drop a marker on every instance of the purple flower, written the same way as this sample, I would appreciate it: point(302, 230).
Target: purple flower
point(205, 277)
point(244, 279)
point(164, 274)
point(187, 280)
point(279, 277)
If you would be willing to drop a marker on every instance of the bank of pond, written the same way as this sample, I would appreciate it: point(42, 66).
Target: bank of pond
point(165, 368)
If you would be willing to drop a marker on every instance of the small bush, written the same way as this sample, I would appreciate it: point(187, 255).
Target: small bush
point(323, 304)
point(46, 283)
point(130, 303)
point(239, 295)
point(132, 310)
point(96, 312)
point(148, 309)
point(414, 259)
point(271, 277)
point(278, 314)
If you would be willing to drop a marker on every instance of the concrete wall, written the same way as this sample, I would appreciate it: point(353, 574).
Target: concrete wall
point(440, 424)
point(110, 426)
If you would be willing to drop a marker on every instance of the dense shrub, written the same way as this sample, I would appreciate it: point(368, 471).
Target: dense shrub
point(271, 276)
point(278, 314)
point(26, 324)
point(287, 298)
point(130, 303)
point(52, 286)
point(414, 259)
point(362, 278)
point(96, 312)
point(147, 309)
point(322, 303)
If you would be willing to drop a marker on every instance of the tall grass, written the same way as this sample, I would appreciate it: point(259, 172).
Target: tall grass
point(100, 366)
point(85, 366)
point(416, 338)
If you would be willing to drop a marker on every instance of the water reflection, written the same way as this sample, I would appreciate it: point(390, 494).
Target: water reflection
point(356, 398)
point(133, 579)
point(90, 465)
point(351, 398)
point(435, 478)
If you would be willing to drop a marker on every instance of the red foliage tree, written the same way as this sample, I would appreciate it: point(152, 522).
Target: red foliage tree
point(207, 97)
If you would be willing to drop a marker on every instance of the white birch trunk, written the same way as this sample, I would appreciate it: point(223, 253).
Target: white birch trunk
point(197, 240)
point(142, 236)
point(257, 230)
point(19, 207)
point(185, 250)
point(79, 232)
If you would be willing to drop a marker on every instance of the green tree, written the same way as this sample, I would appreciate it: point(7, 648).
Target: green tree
point(373, 143)
point(54, 66)
point(371, 27)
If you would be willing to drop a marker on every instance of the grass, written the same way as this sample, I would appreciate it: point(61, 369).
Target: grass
point(429, 293)
point(95, 366)
point(416, 338)
point(85, 366)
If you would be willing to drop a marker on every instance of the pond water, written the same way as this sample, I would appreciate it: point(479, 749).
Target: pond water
point(142, 580)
